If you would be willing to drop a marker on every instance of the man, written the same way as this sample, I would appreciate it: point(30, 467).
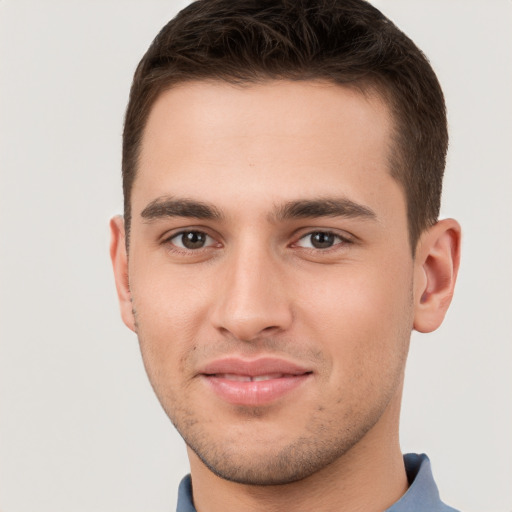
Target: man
point(282, 169)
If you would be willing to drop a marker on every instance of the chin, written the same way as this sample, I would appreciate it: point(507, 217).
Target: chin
point(250, 465)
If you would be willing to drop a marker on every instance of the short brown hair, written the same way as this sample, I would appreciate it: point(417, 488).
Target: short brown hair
point(346, 42)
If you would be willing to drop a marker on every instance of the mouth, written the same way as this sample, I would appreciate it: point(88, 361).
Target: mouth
point(248, 378)
point(254, 382)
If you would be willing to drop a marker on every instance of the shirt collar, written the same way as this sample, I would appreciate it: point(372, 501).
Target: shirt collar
point(185, 496)
point(422, 495)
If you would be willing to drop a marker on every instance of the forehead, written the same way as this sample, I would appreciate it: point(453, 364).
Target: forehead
point(276, 138)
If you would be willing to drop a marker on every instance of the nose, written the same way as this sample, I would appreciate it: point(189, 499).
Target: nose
point(252, 301)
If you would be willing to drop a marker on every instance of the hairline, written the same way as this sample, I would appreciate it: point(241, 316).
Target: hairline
point(372, 85)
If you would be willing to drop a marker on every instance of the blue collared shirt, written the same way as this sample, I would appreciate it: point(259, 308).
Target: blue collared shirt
point(422, 495)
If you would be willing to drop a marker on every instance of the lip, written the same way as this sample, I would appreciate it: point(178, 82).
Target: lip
point(253, 382)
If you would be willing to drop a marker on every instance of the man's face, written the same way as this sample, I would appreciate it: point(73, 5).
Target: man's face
point(271, 275)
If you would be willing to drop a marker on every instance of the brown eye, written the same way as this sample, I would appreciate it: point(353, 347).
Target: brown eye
point(191, 240)
point(320, 240)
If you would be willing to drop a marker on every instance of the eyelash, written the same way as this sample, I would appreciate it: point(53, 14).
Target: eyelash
point(184, 250)
point(341, 241)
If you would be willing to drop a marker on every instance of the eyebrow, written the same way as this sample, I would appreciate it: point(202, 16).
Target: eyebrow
point(164, 207)
point(323, 207)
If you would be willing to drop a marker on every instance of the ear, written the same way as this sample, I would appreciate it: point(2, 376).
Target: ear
point(436, 266)
point(119, 259)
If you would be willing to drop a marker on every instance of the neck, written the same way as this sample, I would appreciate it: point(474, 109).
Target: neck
point(369, 477)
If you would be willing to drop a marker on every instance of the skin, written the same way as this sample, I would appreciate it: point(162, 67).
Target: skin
point(260, 287)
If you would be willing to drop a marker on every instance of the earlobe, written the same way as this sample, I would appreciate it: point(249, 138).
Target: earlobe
point(436, 266)
point(119, 259)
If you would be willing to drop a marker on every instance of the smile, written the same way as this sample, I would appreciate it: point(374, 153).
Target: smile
point(248, 378)
point(252, 383)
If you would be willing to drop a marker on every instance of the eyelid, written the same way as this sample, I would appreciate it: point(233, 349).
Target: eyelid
point(346, 238)
point(172, 232)
point(170, 235)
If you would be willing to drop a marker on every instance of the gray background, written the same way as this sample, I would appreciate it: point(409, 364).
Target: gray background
point(80, 429)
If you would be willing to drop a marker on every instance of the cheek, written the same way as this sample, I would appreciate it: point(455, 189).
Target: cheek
point(364, 316)
point(170, 295)
point(168, 309)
